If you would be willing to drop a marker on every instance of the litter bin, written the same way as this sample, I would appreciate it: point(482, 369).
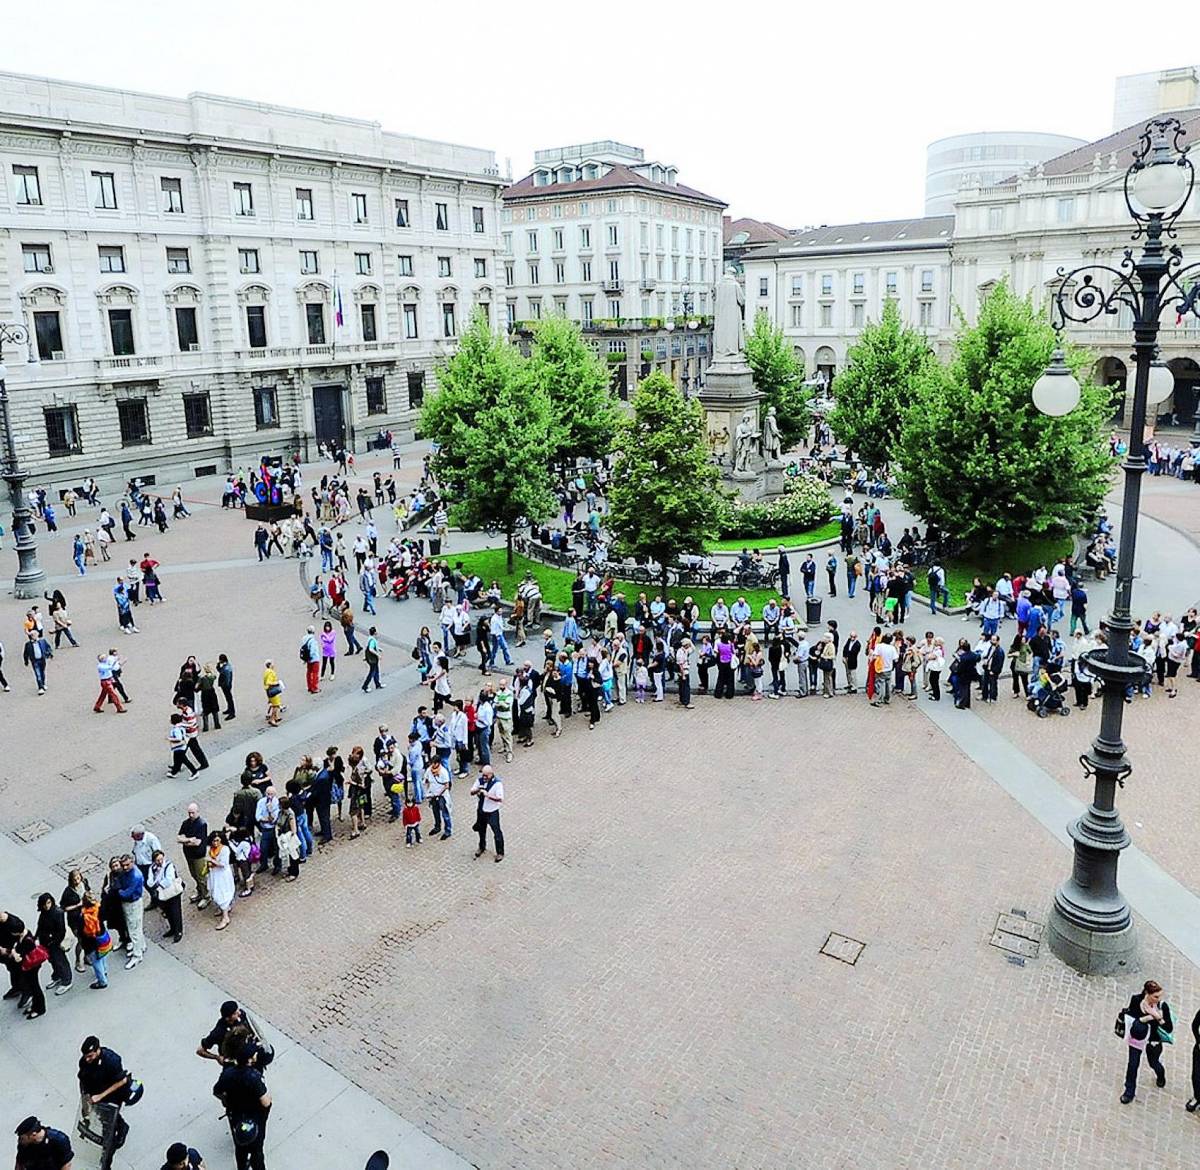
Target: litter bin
point(812, 610)
point(435, 550)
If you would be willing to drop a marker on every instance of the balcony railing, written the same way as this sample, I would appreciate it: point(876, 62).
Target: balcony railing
point(132, 362)
point(612, 286)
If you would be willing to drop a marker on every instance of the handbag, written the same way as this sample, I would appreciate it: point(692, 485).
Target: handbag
point(1119, 1025)
point(1138, 1034)
point(172, 890)
point(274, 691)
point(255, 853)
point(35, 958)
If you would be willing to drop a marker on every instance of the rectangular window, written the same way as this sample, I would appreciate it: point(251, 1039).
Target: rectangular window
point(614, 270)
point(827, 285)
point(480, 268)
point(485, 310)
point(256, 326)
point(304, 203)
point(585, 271)
point(406, 268)
point(533, 272)
point(560, 306)
point(797, 286)
point(560, 272)
point(510, 313)
point(367, 315)
point(644, 234)
point(444, 268)
point(441, 216)
point(47, 328)
point(613, 235)
point(658, 237)
point(243, 199)
point(585, 236)
point(248, 259)
point(358, 205)
point(588, 309)
point(532, 241)
point(120, 331)
point(558, 239)
point(410, 322)
point(362, 263)
point(314, 320)
point(858, 283)
point(889, 284)
point(449, 329)
point(857, 311)
point(310, 262)
point(796, 311)
point(172, 195)
point(62, 430)
point(826, 316)
point(186, 329)
point(764, 288)
point(507, 241)
point(112, 258)
point(925, 309)
point(402, 213)
point(995, 219)
point(376, 396)
point(612, 205)
point(927, 280)
point(674, 239)
point(266, 407)
point(36, 258)
point(1065, 209)
point(535, 309)
point(477, 220)
point(133, 418)
point(196, 415)
point(509, 278)
point(416, 389)
point(104, 190)
point(614, 308)
point(28, 189)
point(178, 260)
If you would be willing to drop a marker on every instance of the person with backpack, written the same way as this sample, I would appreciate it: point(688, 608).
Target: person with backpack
point(1147, 1026)
point(372, 654)
point(936, 580)
point(310, 655)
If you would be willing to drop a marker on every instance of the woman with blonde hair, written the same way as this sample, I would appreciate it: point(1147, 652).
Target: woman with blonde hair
point(210, 706)
point(274, 692)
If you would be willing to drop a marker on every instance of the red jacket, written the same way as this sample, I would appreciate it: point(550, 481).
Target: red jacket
point(411, 815)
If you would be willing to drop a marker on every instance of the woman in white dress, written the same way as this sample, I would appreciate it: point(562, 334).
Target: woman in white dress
point(220, 876)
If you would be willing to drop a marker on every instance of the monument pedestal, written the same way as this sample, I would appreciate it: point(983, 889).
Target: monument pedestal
point(730, 401)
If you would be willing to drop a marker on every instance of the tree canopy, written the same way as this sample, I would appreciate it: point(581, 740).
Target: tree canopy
point(665, 497)
point(780, 377)
point(977, 458)
point(873, 393)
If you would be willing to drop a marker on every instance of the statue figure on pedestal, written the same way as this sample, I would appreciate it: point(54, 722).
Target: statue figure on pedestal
point(727, 325)
point(745, 442)
point(772, 444)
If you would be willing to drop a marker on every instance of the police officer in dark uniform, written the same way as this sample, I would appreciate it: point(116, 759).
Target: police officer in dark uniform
point(231, 1017)
point(182, 1157)
point(103, 1080)
point(41, 1148)
point(243, 1092)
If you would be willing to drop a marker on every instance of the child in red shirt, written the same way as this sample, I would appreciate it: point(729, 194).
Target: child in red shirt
point(412, 822)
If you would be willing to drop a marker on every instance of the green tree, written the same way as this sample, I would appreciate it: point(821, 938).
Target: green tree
point(482, 365)
point(872, 394)
point(780, 377)
point(506, 460)
point(577, 383)
point(665, 498)
point(978, 459)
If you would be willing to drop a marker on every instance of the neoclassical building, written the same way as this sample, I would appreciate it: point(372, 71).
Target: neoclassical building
point(824, 285)
point(597, 234)
point(206, 280)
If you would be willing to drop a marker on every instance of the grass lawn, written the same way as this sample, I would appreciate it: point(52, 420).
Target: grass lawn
point(823, 532)
point(1014, 556)
point(556, 583)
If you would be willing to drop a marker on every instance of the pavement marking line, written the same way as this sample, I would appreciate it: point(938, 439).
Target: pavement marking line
point(114, 819)
point(1160, 899)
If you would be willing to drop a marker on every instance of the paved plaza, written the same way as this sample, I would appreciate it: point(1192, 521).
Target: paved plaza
point(749, 935)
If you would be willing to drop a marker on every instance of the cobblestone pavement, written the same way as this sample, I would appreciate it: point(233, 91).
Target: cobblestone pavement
point(640, 983)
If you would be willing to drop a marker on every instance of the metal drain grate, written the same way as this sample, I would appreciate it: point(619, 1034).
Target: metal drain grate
point(843, 948)
point(1015, 934)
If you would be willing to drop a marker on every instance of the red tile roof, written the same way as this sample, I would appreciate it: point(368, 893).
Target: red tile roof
point(758, 231)
point(618, 178)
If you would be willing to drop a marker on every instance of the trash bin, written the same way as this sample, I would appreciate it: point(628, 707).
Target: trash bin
point(435, 550)
point(812, 610)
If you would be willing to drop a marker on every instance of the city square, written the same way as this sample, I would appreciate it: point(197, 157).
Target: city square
point(517, 504)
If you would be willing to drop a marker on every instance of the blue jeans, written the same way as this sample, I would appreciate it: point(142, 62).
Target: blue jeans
point(1060, 608)
point(990, 626)
point(372, 676)
point(39, 672)
point(326, 560)
point(483, 742)
point(304, 832)
point(351, 640)
point(416, 785)
point(99, 964)
point(368, 603)
point(79, 565)
point(498, 644)
point(268, 852)
point(809, 585)
point(441, 815)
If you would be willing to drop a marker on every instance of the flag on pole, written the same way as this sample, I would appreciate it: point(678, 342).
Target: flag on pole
point(338, 319)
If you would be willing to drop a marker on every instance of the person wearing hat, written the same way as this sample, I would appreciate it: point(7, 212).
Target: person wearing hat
point(181, 1157)
point(41, 1148)
point(102, 1078)
point(243, 1092)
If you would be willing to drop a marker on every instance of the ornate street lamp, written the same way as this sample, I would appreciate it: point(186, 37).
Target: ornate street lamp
point(31, 577)
point(1090, 925)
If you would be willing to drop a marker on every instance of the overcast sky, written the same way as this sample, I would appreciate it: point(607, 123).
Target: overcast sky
point(797, 113)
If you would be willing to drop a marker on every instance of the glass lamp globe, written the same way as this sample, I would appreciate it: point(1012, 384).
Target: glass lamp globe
point(1160, 385)
point(1160, 185)
point(1056, 392)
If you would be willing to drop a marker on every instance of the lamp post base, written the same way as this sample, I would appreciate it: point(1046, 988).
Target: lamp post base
point(29, 588)
point(1091, 952)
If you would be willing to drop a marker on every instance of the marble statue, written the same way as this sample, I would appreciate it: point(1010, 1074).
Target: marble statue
point(727, 326)
point(745, 442)
point(772, 444)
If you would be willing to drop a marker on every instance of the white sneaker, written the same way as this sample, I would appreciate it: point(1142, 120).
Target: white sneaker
point(128, 948)
point(62, 990)
point(132, 962)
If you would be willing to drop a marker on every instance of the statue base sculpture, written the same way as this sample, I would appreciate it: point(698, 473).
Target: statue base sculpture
point(734, 406)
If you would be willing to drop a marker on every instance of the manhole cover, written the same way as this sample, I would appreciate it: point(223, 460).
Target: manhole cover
point(1015, 934)
point(843, 948)
point(33, 831)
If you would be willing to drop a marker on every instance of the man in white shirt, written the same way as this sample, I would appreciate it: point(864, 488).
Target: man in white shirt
point(800, 658)
point(496, 630)
point(489, 788)
point(460, 736)
point(719, 615)
point(885, 653)
point(437, 788)
point(591, 583)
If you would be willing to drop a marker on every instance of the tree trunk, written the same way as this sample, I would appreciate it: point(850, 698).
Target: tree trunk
point(663, 579)
point(508, 534)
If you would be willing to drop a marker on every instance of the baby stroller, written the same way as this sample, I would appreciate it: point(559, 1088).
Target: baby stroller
point(1046, 698)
